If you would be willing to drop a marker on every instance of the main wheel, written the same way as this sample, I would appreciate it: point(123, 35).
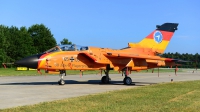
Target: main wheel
point(61, 82)
point(104, 80)
point(127, 81)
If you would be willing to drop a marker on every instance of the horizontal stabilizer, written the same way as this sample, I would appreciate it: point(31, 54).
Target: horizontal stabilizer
point(176, 60)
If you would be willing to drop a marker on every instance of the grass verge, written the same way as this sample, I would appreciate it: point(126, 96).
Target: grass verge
point(167, 97)
point(13, 72)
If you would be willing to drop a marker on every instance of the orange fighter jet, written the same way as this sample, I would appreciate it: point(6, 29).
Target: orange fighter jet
point(135, 57)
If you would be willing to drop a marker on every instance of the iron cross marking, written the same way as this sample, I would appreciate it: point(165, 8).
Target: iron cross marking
point(72, 59)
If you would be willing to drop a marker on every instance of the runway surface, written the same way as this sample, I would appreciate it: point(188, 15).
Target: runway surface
point(25, 90)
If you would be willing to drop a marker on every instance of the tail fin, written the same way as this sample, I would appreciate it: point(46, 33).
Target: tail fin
point(158, 39)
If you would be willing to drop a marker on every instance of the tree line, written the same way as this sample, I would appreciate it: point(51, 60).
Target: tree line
point(193, 59)
point(17, 43)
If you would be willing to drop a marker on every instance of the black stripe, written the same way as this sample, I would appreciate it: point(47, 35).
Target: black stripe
point(170, 27)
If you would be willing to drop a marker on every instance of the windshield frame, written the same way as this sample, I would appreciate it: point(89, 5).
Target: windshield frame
point(67, 47)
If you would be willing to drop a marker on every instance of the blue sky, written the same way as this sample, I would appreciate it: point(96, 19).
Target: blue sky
point(108, 23)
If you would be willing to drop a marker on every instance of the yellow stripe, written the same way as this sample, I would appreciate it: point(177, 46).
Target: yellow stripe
point(48, 56)
point(150, 43)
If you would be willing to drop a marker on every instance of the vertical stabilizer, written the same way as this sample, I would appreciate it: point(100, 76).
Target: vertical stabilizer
point(159, 39)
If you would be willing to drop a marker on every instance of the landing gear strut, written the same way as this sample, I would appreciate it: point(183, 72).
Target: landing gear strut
point(127, 80)
point(106, 79)
point(62, 81)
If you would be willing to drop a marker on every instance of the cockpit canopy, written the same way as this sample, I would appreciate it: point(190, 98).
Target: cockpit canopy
point(67, 48)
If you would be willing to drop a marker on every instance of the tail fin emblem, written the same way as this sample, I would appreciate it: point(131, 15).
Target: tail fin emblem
point(158, 37)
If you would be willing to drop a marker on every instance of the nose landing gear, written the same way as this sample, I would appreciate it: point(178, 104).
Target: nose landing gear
point(62, 81)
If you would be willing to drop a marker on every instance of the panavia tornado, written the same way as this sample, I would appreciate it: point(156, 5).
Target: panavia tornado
point(135, 57)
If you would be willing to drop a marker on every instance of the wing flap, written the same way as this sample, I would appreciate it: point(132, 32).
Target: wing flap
point(123, 55)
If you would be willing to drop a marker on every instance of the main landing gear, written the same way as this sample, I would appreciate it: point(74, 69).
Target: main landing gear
point(106, 79)
point(127, 80)
point(62, 81)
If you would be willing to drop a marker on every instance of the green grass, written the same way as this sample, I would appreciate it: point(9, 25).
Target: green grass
point(13, 72)
point(166, 97)
point(162, 70)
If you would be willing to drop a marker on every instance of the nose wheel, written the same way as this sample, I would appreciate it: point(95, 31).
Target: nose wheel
point(62, 81)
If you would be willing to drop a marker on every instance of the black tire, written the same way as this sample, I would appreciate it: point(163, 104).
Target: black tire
point(127, 81)
point(124, 80)
point(61, 82)
point(104, 80)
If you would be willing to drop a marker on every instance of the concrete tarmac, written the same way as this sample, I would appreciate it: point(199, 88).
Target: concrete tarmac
point(26, 90)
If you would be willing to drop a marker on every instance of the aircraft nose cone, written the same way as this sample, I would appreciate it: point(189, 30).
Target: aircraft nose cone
point(30, 62)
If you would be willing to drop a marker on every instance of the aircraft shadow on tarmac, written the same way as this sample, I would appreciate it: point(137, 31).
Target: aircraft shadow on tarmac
point(72, 82)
